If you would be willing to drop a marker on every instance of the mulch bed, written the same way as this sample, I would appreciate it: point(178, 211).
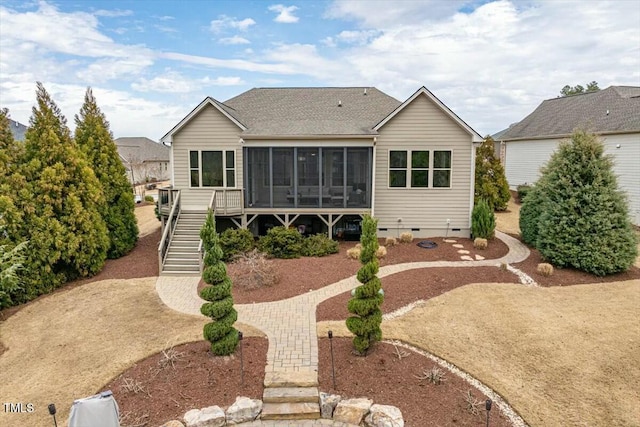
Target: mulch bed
point(197, 380)
point(297, 276)
point(569, 276)
point(406, 287)
point(387, 380)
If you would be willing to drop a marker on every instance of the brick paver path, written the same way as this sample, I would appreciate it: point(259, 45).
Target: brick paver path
point(290, 324)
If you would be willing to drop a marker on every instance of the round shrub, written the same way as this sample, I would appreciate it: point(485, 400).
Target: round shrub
point(235, 241)
point(281, 242)
point(319, 245)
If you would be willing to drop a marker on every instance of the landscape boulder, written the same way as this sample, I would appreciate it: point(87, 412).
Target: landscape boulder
point(328, 403)
point(213, 416)
point(352, 411)
point(243, 410)
point(384, 416)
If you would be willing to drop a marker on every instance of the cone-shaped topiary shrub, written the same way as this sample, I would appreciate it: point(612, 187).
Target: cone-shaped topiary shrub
point(583, 219)
point(483, 220)
point(368, 297)
point(491, 182)
point(220, 332)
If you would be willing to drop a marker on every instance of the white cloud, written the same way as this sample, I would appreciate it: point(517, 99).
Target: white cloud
point(357, 37)
point(225, 22)
point(113, 13)
point(165, 29)
point(233, 40)
point(106, 69)
point(234, 64)
point(165, 18)
point(285, 13)
point(174, 82)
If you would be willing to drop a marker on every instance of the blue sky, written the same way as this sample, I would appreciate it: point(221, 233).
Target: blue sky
point(150, 62)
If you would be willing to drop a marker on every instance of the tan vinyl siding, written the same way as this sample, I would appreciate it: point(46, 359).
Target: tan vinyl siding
point(421, 125)
point(209, 130)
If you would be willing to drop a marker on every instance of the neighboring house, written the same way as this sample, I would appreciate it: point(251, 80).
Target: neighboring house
point(18, 130)
point(318, 158)
point(144, 159)
point(612, 113)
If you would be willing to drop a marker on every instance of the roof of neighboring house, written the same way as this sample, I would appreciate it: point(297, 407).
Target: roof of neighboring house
point(18, 130)
point(615, 109)
point(139, 148)
point(311, 111)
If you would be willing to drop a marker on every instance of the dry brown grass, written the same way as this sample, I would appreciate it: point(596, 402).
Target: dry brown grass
point(561, 356)
point(69, 344)
point(147, 221)
point(508, 221)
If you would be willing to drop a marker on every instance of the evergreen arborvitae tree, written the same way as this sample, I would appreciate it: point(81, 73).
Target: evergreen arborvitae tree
point(10, 181)
point(220, 332)
point(483, 220)
point(584, 219)
point(67, 235)
point(490, 181)
point(368, 297)
point(530, 214)
point(96, 142)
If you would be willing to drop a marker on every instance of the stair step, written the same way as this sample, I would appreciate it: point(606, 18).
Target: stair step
point(175, 254)
point(290, 411)
point(180, 269)
point(291, 379)
point(290, 395)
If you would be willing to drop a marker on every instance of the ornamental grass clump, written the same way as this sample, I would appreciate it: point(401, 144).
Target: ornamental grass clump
point(368, 297)
point(406, 237)
point(219, 306)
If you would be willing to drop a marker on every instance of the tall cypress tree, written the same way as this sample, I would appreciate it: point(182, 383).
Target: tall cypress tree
point(68, 237)
point(96, 142)
point(368, 297)
point(10, 181)
point(490, 180)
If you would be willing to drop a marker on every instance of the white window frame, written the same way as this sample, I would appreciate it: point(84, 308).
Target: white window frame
point(430, 170)
point(225, 168)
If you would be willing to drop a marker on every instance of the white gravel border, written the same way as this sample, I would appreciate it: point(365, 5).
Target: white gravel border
point(525, 279)
point(515, 419)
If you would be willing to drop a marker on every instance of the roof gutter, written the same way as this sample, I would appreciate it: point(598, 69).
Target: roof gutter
point(565, 135)
point(306, 137)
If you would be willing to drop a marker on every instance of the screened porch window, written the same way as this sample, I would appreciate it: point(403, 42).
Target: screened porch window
point(212, 168)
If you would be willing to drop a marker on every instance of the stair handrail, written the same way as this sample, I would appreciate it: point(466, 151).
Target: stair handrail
point(212, 206)
point(167, 234)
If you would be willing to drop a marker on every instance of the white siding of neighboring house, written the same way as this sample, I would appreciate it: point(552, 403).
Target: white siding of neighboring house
point(209, 130)
point(422, 125)
point(525, 158)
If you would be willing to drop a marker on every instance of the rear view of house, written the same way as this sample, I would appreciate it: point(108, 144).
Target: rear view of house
point(612, 113)
point(318, 159)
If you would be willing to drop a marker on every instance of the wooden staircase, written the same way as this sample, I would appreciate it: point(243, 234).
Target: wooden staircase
point(182, 255)
point(291, 396)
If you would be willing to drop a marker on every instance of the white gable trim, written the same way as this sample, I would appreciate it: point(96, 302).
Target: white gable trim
point(424, 91)
point(207, 101)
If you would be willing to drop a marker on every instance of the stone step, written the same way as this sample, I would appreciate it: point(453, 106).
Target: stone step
point(172, 268)
point(291, 379)
point(290, 395)
point(290, 411)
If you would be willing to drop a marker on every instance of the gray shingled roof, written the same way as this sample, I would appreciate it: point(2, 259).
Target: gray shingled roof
point(310, 111)
point(141, 148)
point(18, 130)
point(615, 109)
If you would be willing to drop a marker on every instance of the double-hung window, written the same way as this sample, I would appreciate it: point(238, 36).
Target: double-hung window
point(212, 168)
point(420, 168)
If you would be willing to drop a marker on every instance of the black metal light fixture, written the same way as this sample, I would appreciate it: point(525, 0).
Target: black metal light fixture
point(52, 412)
point(241, 361)
point(487, 406)
point(333, 368)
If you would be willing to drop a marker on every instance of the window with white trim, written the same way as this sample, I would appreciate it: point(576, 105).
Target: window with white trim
point(212, 168)
point(411, 168)
point(442, 169)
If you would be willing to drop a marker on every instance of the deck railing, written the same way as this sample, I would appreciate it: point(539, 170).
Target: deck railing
point(169, 228)
point(166, 197)
point(228, 201)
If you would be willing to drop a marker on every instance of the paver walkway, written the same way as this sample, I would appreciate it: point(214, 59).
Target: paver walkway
point(290, 324)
